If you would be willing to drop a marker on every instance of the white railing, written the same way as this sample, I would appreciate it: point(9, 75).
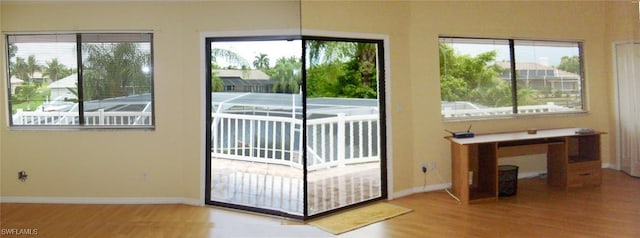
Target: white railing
point(496, 111)
point(100, 117)
point(341, 140)
point(331, 142)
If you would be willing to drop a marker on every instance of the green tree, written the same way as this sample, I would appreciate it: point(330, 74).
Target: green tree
point(453, 89)
point(55, 70)
point(467, 78)
point(322, 79)
point(358, 80)
point(287, 75)
point(261, 61)
point(115, 70)
point(19, 69)
point(217, 85)
point(13, 49)
point(476, 79)
point(32, 66)
point(570, 64)
point(349, 69)
point(25, 93)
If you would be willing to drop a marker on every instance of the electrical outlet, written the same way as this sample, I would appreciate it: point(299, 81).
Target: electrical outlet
point(423, 167)
point(432, 166)
point(145, 176)
point(22, 176)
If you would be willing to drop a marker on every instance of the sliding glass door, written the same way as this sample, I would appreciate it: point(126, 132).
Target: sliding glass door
point(343, 116)
point(295, 124)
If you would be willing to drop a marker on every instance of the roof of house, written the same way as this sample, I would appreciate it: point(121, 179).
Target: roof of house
point(66, 82)
point(15, 80)
point(537, 66)
point(250, 74)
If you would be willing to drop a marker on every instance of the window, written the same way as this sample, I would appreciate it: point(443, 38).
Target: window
point(100, 80)
point(501, 77)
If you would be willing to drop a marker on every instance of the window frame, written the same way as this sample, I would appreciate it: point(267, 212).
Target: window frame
point(78, 43)
point(512, 44)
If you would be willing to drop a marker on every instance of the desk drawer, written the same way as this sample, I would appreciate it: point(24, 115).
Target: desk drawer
point(584, 173)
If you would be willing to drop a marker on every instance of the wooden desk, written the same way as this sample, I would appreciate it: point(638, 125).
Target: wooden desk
point(572, 160)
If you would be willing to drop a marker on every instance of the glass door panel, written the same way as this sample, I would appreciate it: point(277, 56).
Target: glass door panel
point(343, 126)
point(255, 125)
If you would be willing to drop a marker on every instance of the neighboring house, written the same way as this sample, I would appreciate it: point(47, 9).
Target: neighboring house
point(61, 89)
point(540, 77)
point(38, 77)
point(251, 80)
point(15, 82)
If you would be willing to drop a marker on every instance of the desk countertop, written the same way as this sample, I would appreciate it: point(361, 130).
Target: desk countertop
point(512, 136)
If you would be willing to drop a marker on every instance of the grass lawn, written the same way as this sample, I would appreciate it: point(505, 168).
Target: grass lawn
point(41, 96)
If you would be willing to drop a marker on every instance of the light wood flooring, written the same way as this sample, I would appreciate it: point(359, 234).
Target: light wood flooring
point(611, 210)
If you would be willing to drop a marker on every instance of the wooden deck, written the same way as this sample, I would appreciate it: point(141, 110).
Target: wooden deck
point(279, 187)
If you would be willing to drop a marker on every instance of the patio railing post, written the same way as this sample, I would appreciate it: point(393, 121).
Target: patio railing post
point(101, 116)
point(18, 117)
point(341, 140)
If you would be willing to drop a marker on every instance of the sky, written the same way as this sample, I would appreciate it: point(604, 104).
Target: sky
point(250, 49)
point(45, 52)
point(66, 52)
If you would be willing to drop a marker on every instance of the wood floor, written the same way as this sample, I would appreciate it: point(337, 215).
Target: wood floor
point(612, 210)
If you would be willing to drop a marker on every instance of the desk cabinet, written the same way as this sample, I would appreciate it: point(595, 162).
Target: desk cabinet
point(572, 160)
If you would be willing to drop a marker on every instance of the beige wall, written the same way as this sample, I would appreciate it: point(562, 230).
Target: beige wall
point(110, 163)
point(2, 84)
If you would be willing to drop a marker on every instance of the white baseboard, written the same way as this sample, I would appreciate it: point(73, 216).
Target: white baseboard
point(429, 188)
point(442, 186)
point(96, 200)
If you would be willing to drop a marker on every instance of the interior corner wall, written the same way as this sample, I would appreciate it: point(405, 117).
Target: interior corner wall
point(85, 165)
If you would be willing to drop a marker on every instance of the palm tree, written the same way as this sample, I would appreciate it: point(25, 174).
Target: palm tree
point(19, 69)
point(261, 61)
point(366, 53)
point(32, 66)
point(320, 52)
point(230, 56)
point(54, 70)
